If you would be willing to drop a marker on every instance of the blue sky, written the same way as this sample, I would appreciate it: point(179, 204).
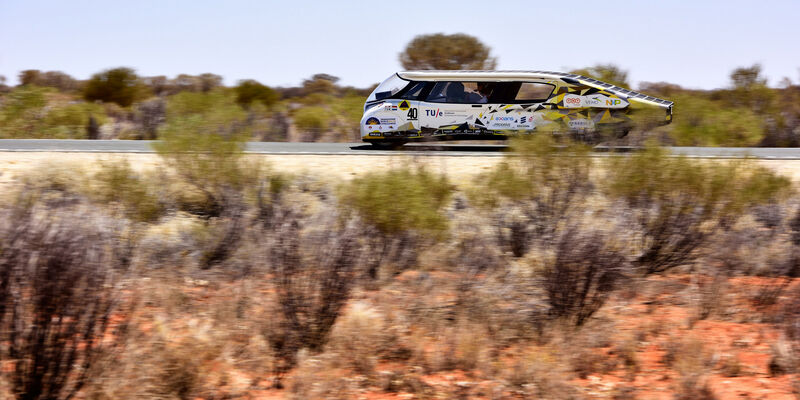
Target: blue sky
point(279, 43)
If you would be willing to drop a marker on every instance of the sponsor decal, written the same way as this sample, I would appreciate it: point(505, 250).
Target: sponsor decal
point(433, 113)
point(404, 105)
point(394, 107)
point(504, 118)
point(372, 121)
point(523, 120)
point(388, 121)
point(581, 124)
point(375, 134)
point(466, 131)
point(502, 125)
point(572, 101)
point(594, 101)
point(613, 102)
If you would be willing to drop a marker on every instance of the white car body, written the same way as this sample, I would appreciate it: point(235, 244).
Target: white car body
point(440, 105)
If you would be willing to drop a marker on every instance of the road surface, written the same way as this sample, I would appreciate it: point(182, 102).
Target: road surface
point(439, 149)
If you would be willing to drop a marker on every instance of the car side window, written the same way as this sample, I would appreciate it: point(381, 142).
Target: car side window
point(533, 92)
point(461, 92)
point(414, 91)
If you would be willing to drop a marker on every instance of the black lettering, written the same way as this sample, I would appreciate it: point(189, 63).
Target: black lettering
point(412, 114)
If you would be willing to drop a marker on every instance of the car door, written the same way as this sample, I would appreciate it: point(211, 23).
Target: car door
point(448, 110)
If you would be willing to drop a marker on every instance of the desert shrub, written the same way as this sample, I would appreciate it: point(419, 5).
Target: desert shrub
point(313, 276)
point(21, 111)
point(678, 203)
point(349, 110)
point(117, 85)
point(359, 337)
point(540, 374)
point(149, 116)
point(203, 143)
point(699, 121)
point(316, 379)
point(71, 121)
point(535, 190)
point(57, 298)
point(34, 112)
point(398, 206)
point(249, 91)
point(312, 121)
point(693, 362)
point(583, 273)
point(117, 182)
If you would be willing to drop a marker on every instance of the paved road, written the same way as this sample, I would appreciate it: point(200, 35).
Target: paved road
point(140, 146)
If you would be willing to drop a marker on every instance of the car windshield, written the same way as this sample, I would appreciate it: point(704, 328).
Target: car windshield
point(388, 88)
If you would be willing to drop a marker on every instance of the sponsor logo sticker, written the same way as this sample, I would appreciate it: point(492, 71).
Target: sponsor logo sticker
point(372, 121)
point(388, 121)
point(571, 100)
point(594, 101)
point(581, 124)
point(504, 118)
point(433, 113)
point(403, 105)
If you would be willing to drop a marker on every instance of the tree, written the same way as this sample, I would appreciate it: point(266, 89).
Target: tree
point(54, 79)
point(209, 81)
point(118, 85)
point(447, 52)
point(320, 83)
point(750, 90)
point(748, 77)
point(608, 73)
point(29, 76)
point(249, 91)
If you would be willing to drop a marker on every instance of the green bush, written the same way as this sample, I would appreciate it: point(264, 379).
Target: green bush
point(30, 112)
point(400, 200)
point(71, 121)
point(21, 111)
point(699, 121)
point(250, 91)
point(203, 142)
point(312, 118)
point(117, 85)
point(117, 182)
point(679, 202)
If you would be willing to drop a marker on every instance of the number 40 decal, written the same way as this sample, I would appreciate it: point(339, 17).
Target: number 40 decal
point(412, 114)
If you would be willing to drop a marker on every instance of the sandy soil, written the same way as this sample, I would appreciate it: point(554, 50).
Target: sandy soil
point(460, 169)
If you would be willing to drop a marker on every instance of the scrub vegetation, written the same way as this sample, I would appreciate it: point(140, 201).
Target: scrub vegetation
point(552, 275)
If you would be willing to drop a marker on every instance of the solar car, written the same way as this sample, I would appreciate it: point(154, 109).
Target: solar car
point(458, 105)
